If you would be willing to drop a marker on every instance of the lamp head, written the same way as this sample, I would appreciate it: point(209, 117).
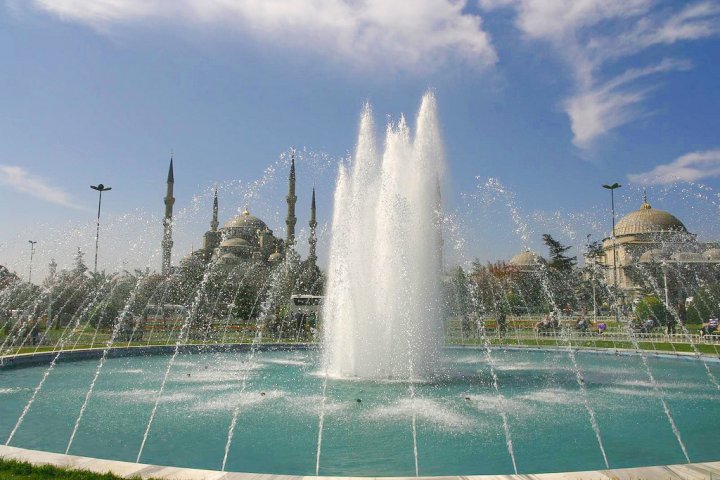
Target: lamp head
point(613, 186)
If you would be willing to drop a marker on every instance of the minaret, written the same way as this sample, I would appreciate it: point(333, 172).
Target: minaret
point(214, 222)
point(167, 242)
point(291, 199)
point(312, 256)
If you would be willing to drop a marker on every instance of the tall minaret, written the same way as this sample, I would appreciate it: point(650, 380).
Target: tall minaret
point(291, 199)
point(214, 223)
point(312, 256)
point(167, 242)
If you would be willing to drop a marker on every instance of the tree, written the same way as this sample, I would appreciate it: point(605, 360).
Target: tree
point(651, 307)
point(558, 260)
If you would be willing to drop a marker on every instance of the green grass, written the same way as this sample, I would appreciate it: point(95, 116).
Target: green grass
point(14, 470)
point(609, 344)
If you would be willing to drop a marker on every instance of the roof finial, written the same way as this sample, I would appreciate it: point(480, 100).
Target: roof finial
point(645, 205)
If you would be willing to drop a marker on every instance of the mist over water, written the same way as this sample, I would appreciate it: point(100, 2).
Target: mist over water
point(382, 310)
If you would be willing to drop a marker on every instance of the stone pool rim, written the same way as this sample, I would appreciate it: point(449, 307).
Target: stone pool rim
point(704, 470)
point(45, 357)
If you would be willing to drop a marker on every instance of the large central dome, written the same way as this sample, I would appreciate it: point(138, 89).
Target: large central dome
point(648, 220)
point(245, 220)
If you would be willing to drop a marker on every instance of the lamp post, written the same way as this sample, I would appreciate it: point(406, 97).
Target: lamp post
point(664, 266)
point(612, 203)
point(593, 259)
point(100, 188)
point(32, 252)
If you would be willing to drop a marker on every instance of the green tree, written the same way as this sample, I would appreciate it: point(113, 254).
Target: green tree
point(651, 307)
point(558, 260)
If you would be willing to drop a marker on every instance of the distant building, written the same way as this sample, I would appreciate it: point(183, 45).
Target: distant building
point(650, 236)
point(242, 238)
point(527, 262)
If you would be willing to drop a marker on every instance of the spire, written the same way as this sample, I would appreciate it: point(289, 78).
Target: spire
point(312, 255)
point(171, 175)
point(167, 243)
point(214, 222)
point(291, 199)
point(645, 205)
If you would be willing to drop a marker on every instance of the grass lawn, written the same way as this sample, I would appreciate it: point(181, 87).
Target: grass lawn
point(13, 470)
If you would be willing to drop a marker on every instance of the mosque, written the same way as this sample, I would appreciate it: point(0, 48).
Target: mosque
point(642, 237)
point(242, 238)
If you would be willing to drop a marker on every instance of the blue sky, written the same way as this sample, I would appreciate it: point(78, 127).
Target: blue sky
point(540, 102)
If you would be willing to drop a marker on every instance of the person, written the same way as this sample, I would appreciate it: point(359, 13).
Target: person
point(649, 325)
point(582, 324)
point(502, 323)
point(710, 327)
point(670, 325)
point(601, 326)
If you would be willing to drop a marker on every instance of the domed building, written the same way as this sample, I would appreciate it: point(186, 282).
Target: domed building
point(527, 261)
point(648, 236)
point(242, 238)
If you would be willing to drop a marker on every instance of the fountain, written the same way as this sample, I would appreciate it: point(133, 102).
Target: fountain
point(383, 292)
point(415, 370)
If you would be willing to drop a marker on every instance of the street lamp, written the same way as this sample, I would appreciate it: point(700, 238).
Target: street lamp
point(612, 203)
point(593, 259)
point(100, 188)
point(32, 252)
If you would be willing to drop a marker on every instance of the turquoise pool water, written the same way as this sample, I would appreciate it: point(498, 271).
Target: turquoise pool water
point(459, 428)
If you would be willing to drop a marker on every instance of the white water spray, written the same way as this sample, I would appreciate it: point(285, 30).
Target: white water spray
point(382, 313)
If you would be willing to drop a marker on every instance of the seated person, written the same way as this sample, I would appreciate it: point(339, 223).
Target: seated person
point(601, 326)
point(710, 327)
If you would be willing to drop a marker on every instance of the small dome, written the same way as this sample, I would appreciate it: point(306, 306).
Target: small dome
point(275, 257)
point(245, 220)
point(235, 242)
point(527, 258)
point(712, 254)
point(648, 220)
point(687, 257)
point(653, 255)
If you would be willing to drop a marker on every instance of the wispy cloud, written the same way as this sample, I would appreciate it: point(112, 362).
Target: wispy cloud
point(417, 35)
point(21, 180)
point(690, 167)
point(601, 108)
point(591, 35)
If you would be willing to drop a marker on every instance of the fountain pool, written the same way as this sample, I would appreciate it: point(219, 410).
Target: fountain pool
point(458, 424)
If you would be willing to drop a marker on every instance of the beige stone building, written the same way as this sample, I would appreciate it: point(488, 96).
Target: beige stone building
point(646, 236)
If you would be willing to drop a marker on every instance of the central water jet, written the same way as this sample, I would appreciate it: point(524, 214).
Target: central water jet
point(382, 315)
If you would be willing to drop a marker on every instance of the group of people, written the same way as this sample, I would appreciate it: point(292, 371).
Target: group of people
point(551, 322)
point(710, 328)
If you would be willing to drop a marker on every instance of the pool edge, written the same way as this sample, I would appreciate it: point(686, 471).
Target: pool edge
point(704, 470)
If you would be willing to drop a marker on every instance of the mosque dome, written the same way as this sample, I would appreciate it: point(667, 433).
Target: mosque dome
point(648, 220)
point(275, 257)
point(712, 254)
point(235, 242)
point(528, 258)
point(653, 255)
point(245, 219)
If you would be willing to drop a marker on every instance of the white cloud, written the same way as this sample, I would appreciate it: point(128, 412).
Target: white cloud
point(20, 180)
point(599, 109)
point(421, 34)
point(690, 167)
point(589, 34)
